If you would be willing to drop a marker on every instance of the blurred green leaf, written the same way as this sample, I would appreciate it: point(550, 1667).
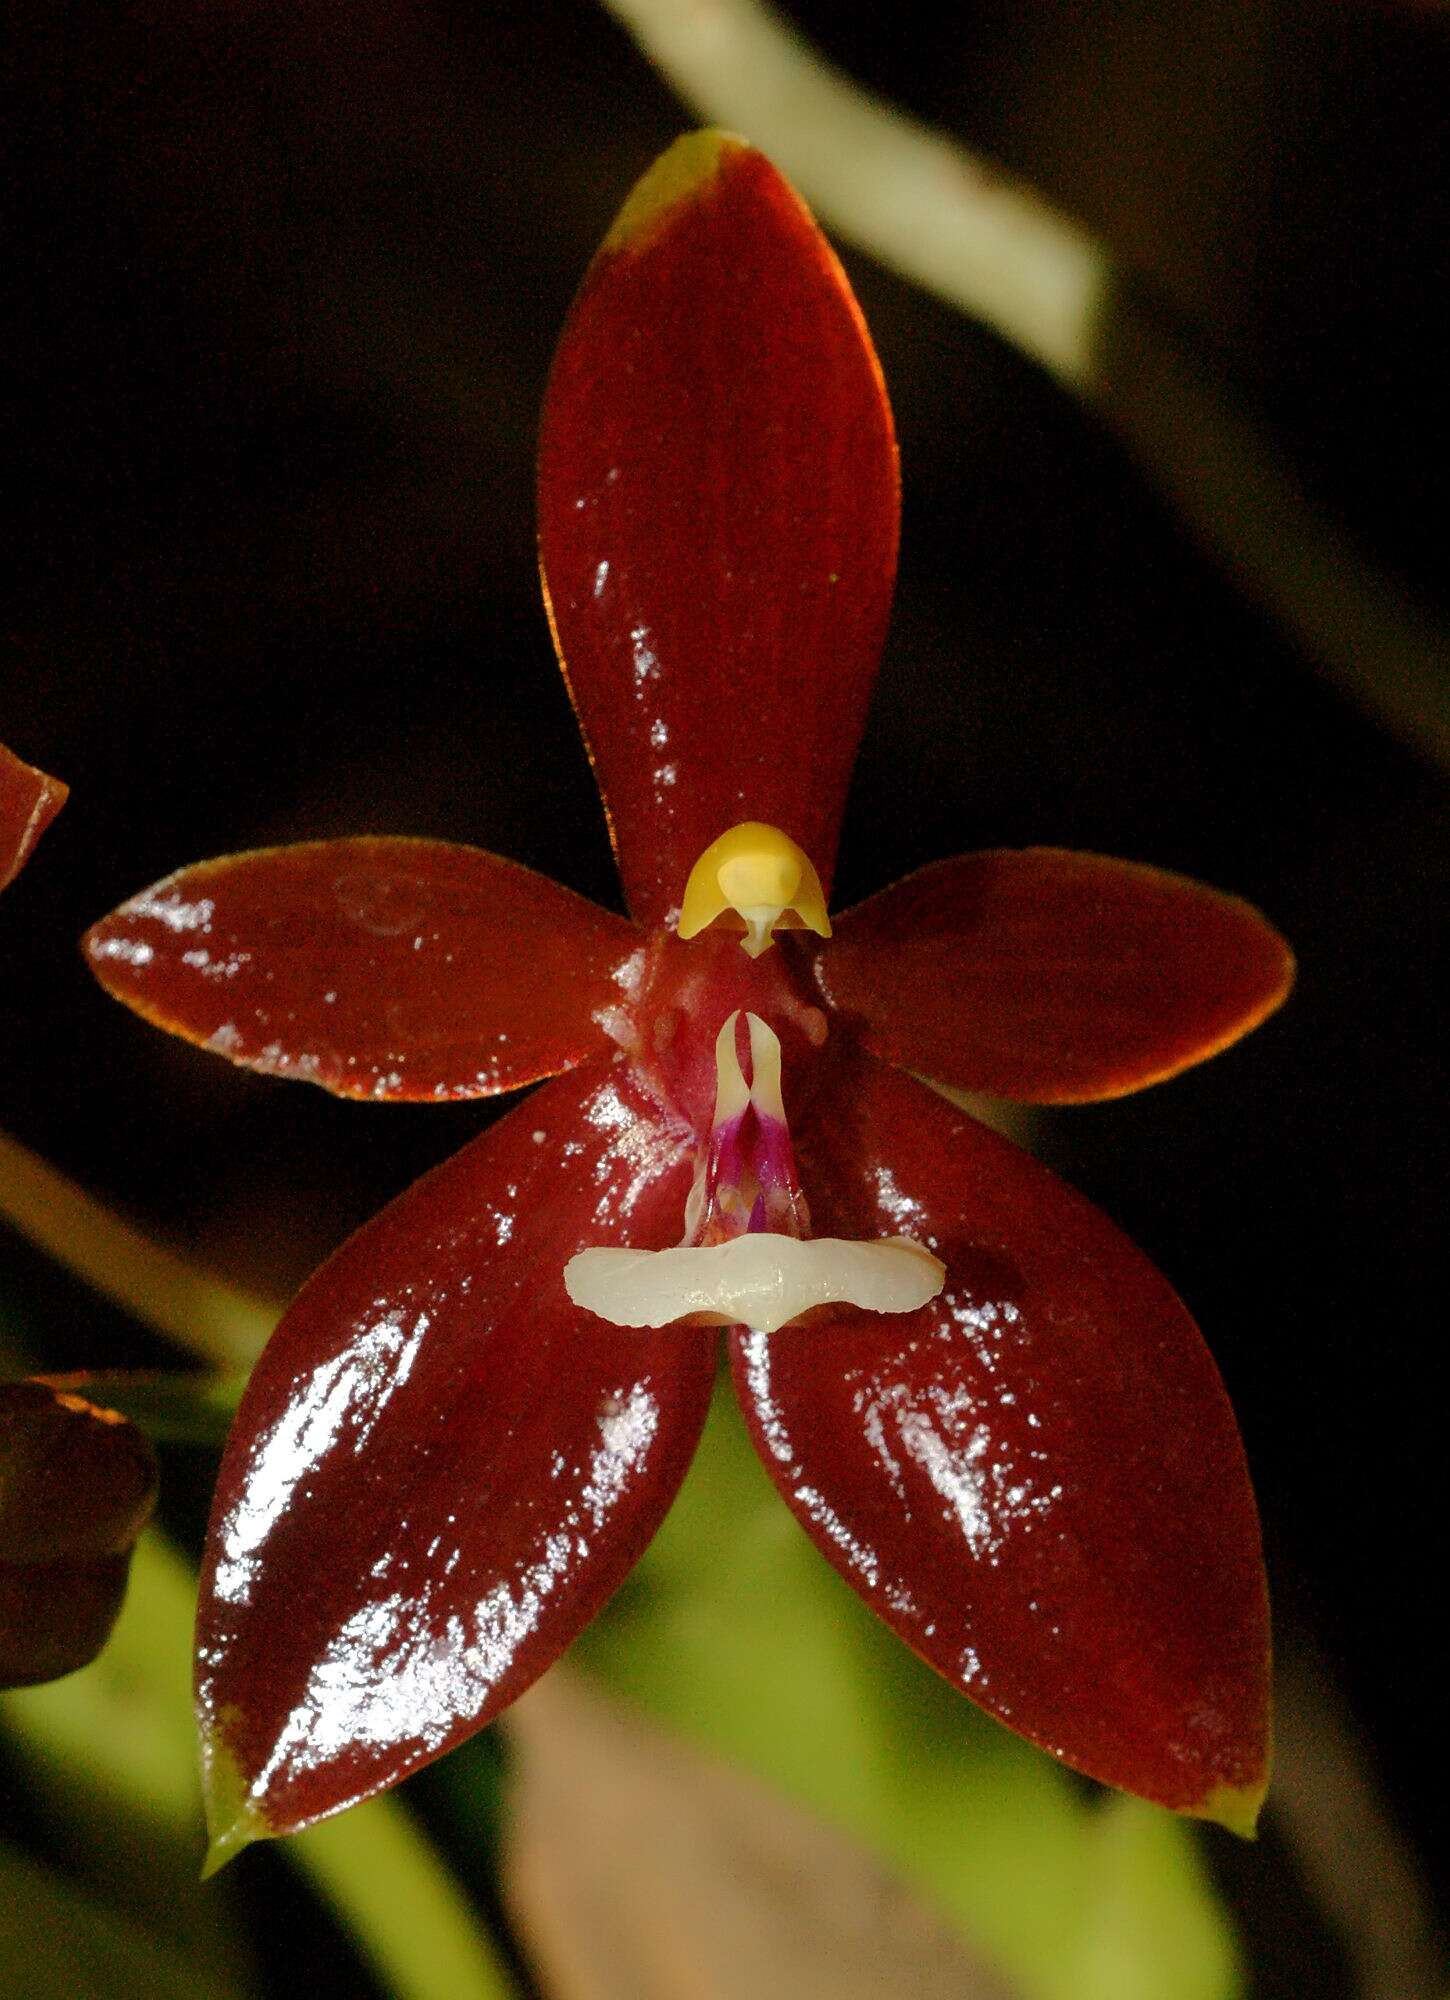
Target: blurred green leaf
point(379, 1871)
point(737, 1633)
point(56, 1944)
point(1135, 1942)
point(465, 1797)
point(111, 1753)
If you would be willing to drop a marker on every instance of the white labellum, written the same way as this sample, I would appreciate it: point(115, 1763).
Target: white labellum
point(760, 1280)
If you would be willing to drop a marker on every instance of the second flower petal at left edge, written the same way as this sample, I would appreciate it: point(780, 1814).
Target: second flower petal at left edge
point(441, 1468)
point(29, 801)
point(376, 967)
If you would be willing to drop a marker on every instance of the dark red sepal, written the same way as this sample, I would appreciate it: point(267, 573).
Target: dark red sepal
point(1050, 976)
point(441, 1468)
point(77, 1486)
point(29, 801)
point(1037, 1480)
point(718, 504)
point(378, 968)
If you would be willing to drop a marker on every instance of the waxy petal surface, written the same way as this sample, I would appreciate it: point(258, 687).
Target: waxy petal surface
point(1036, 1480)
point(1050, 976)
point(441, 1468)
point(378, 968)
point(718, 504)
point(29, 801)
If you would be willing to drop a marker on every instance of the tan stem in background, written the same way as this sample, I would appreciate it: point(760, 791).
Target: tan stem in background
point(991, 246)
point(638, 1868)
point(202, 1313)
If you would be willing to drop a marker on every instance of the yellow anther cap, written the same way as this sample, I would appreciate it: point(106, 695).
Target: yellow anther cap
point(759, 874)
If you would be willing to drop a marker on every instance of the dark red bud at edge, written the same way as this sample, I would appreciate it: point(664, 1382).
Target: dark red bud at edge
point(29, 801)
point(77, 1486)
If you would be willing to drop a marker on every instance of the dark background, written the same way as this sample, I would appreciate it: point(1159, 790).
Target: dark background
point(287, 282)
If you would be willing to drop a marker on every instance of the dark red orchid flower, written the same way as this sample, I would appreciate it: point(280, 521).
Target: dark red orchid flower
point(985, 1407)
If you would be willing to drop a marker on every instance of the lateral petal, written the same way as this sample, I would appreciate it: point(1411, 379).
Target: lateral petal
point(1053, 977)
point(1050, 976)
point(718, 505)
point(378, 968)
point(1036, 1480)
point(441, 1468)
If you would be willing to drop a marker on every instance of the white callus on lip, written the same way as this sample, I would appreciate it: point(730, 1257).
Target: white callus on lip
point(760, 1280)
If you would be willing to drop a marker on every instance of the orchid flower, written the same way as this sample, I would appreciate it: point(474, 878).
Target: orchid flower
point(980, 1401)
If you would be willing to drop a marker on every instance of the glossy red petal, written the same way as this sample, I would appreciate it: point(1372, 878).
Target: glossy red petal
point(1050, 976)
point(29, 801)
point(441, 1468)
point(1037, 1480)
point(377, 968)
point(718, 504)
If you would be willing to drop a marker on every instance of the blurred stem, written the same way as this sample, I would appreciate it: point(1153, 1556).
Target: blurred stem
point(991, 246)
point(1357, 1866)
point(909, 196)
point(202, 1313)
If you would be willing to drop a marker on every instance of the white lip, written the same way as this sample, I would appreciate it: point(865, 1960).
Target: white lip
point(760, 1280)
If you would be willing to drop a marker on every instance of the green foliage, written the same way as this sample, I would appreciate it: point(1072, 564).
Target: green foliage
point(109, 1761)
point(734, 1631)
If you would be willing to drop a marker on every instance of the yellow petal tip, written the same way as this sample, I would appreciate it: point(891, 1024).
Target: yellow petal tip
point(679, 173)
point(1235, 1807)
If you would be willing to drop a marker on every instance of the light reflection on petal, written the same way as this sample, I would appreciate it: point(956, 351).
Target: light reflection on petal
point(177, 912)
point(396, 1675)
point(448, 1466)
point(351, 1391)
